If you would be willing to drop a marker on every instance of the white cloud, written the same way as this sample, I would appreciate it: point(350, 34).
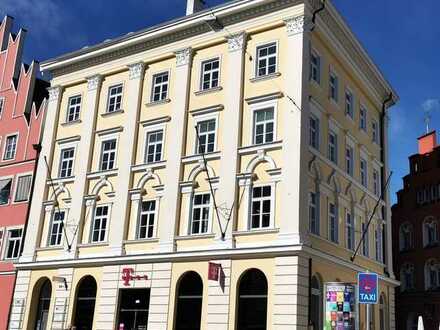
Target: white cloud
point(430, 105)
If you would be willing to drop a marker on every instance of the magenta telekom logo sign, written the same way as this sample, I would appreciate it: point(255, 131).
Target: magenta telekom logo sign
point(128, 275)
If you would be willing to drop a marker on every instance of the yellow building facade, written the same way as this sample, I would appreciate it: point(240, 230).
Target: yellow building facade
point(213, 172)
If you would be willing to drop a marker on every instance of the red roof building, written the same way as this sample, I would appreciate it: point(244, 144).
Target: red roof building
point(416, 248)
point(22, 111)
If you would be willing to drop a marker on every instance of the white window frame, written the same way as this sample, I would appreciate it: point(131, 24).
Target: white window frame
point(363, 171)
point(10, 199)
point(316, 132)
point(202, 73)
point(349, 161)
point(366, 239)
point(335, 146)
point(60, 228)
point(63, 148)
point(154, 85)
point(315, 67)
point(155, 214)
point(107, 228)
point(376, 182)
point(333, 87)
point(262, 106)
point(17, 134)
point(75, 108)
point(2, 107)
point(155, 144)
point(7, 240)
point(335, 216)
point(272, 205)
point(191, 213)
point(149, 128)
point(375, 134)
point(364, 126)
point(18, 176)
point(378, 243)
point(197, 121)
point(257, 57)
point(350, 228)
point(315, 206)
point(349, 111)
point(106, 138)
point(109, 97)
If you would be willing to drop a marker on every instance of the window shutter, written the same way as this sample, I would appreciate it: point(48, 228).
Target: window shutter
point(23, 187)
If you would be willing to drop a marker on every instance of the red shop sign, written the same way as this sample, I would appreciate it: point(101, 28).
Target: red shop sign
point(128, 275)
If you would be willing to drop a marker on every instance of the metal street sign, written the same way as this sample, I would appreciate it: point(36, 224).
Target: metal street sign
point(368, 288)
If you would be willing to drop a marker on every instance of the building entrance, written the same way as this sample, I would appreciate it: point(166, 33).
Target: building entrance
point(133, 309)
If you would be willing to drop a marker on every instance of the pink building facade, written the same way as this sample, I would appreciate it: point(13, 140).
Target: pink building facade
point(22, 111)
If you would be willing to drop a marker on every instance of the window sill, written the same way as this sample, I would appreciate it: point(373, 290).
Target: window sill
point(266, 77)
point(195, 158)
point(208, 91)
point(145, 166)
point(50, 248)
point(256, 232)
point(91, 245)
point(141, 240)
point(256, 147)
point(73, 122)
point(108, 114)
point(98, 174)
point(194, 236)
point(58, 180)
point(155, 103)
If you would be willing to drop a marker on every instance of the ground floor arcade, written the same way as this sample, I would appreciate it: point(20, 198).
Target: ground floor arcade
point(264, 292)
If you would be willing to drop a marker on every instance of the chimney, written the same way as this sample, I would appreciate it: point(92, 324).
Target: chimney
point(427, 143)
point(193, 6)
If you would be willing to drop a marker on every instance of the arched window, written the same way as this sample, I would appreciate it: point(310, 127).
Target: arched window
point(316, 303)
point(189, 302)
point(383, 313)
point(85, 303)
point(43, 305)
point(407, 277)
point(405, 236)
point(252, 301)
point(432, 275)
point(430, 232)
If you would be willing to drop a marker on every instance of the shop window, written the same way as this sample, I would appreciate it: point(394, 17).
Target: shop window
point(41, 318)
point(252, 301)
point(189, 302)
point(85, 303)
point(133, 309)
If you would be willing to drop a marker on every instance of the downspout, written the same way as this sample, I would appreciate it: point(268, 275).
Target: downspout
point(309, 310)
point(383, 174)
point(37, 148)
point(315, 13)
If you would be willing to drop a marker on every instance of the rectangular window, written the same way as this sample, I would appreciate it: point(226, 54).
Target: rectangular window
point(315, 67)
point(349, 160)
point(365, 241)
point(160, 87)
point(114, 98)
point(349, 230)
point(378, 239)
point(313, 213)
point(333, 223)
point(108, 155)
point(74, 108)
point(376, 184)
point(210, 74)
point(66, 162)
point(5, 191)
point(10, 147)
point(261, 207)
point(154, 147)
point(2, 105)
point(314, 132)
point(363, 118)
point(13, 244)
point(24, 184)
point(201, 207)
point(375, 131)
point(364, 173)
point(349, 104)
point(333, 147)
point(100, 222)
point(146, 220)
point(1, 240)
point(266, 59)
point(264, 126)
point(334, 87)
point(57, 227)
point(205, 142)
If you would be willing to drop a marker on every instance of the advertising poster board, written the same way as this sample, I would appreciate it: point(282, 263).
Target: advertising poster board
point(341, 307)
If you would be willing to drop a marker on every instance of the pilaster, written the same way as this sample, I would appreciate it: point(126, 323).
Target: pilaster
point(126, 155)
point(177, 126)
point(36, 214)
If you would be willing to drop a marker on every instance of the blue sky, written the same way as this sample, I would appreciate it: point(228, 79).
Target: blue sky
point(402, 37)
